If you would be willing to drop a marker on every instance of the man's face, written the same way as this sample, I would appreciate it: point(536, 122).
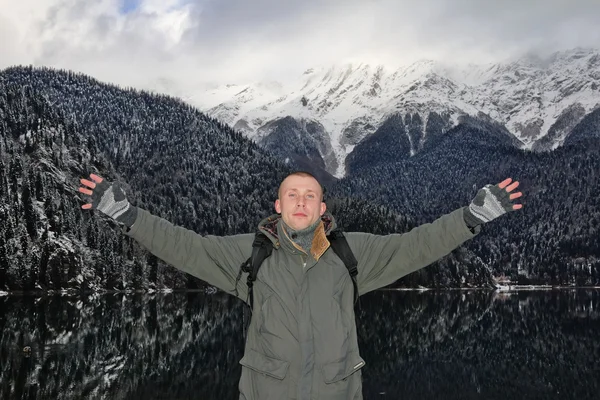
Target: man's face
point(300, 202)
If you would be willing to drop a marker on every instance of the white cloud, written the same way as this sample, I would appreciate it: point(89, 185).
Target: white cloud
point(188, 41)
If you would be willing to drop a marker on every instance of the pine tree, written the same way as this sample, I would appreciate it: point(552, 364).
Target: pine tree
point(34, 265)
point(29, 211)
point(74, 267)
point(113, 274)
point(100, 268)
point(91, 235)
point(39, 187)
point(3, 264)
point(65, 213)
point(51, 215)
point(43, 266)
point(3, 181)
point(138, 274)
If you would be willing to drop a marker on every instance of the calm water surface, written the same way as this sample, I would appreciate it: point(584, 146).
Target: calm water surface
point(417, 345)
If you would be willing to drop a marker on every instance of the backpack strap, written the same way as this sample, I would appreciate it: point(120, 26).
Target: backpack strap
point(340, 246)
point(261, 249)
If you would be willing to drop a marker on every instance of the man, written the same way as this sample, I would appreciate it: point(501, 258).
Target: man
point(302, 340)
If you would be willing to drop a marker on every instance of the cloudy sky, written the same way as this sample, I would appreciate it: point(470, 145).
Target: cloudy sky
point(140, 42)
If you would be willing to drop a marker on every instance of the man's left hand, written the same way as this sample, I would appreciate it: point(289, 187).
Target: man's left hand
point(492, 202)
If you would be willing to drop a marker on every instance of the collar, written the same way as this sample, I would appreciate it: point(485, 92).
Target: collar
point(272, 227)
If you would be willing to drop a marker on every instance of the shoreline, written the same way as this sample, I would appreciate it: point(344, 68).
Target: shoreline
point(209, 290)
point(500, 288)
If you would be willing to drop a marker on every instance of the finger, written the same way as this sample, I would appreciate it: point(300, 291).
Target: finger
point(85, 191)
point(88, 183)
point(86, 206)
point(96, 178)
point(512, 186)
point(504, 183)
point(515, 195)
point(517, 206)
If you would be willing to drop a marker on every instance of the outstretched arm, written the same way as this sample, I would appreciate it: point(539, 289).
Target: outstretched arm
point(383, 260)
point(214, 259)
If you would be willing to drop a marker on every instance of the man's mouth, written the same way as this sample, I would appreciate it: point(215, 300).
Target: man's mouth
point(299, 215)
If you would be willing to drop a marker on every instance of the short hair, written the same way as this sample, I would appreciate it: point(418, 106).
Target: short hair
point(306, 175)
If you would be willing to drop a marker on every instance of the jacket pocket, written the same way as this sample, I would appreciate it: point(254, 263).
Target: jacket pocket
point(264, 364)
point(263, 377)
point(339, 370)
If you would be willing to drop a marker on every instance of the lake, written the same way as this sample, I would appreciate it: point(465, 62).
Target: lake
point(417, 345)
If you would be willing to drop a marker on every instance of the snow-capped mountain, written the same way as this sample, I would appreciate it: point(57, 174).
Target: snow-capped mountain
point(538, 100)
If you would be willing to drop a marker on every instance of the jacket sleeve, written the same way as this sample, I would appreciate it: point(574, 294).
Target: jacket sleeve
point(214, 259)
point(383, 260)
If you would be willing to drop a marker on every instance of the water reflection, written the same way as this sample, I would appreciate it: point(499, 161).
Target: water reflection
point(451, 345)
point(114, 346)
point(482, 345)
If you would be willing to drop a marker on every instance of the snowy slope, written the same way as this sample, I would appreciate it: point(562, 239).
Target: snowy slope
point(350, 101)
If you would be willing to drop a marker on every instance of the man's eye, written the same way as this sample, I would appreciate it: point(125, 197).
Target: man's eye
point(311, 196)
point(292, 195)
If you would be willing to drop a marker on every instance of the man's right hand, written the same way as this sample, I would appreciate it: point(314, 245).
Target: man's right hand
point(109, 199)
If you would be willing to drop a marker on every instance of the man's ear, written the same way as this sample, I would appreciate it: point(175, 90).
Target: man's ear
point(323, 207)
point(278, 206)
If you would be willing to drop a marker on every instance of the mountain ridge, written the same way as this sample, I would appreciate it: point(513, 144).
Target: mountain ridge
point(539, 100)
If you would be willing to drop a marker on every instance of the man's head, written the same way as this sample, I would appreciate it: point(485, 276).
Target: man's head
point(300, 201)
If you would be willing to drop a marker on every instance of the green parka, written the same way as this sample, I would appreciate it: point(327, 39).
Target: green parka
point(302, 340)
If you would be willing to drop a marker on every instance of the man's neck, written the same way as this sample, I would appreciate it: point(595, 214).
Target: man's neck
point(303, 237)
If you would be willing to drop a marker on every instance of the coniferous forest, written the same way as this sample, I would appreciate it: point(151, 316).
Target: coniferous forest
point(554, 239)
point(58, 126)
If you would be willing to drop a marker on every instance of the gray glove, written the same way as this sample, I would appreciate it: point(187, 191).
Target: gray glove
point(109, 199)
point(489, 203)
